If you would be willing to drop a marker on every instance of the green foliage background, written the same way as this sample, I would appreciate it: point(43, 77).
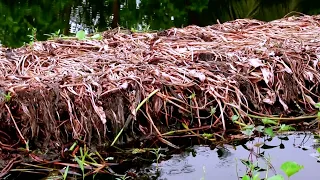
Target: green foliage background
point(19, 17)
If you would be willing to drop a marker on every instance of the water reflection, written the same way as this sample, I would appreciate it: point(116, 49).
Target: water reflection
point(212, 164)
point(19, 17)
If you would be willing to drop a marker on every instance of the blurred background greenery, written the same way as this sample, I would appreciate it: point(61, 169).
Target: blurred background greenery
point(18, 17)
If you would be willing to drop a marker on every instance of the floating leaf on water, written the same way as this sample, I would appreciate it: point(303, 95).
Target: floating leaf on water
point(256, 177)
point(81, 35)
point(290, 168)
point(276, 177)
point(246, 177)
point(318, 149)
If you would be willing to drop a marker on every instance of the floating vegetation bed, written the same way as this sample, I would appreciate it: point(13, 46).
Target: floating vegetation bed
point(129, 87)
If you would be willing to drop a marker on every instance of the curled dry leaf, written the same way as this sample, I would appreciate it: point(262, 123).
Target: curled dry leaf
point(267, 76)
point(270, 97)
point(255, 62)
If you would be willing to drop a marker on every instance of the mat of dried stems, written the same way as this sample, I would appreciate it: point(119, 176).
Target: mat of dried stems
point(57, 90)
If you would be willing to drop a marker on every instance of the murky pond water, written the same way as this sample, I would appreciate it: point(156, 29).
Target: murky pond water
point(226, 163)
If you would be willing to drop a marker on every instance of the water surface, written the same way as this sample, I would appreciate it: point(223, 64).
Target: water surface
point(225, 164)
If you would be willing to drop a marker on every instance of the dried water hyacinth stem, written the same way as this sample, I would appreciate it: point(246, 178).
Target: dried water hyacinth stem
point(249, 67)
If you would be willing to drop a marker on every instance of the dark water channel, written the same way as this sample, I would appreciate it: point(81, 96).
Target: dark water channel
point(19, 17)
point(224, 163)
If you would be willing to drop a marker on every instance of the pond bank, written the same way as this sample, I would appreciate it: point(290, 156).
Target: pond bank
point(69, 96)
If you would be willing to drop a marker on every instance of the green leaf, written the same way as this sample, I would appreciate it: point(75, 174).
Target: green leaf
point(207, 135)
point(318, 149)
point(268, 121)
point(318, 114)
point(276, 177)
point(248, 132)
point(246, 177)
point(193, 95)
point(234, 118)
point(81, 35)
point(259, 128)
point(284, 127)
point(256, 177)
point(212, 111)
point(290, 168)
point(65, 174)
point(247, 163)
point(269, 132)
point(249, 127)
point(80, 163)
point(317, 105)
point(96, 36)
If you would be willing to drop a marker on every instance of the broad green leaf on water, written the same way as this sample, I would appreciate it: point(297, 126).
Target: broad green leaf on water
point(318, 149)
point(246, 177)
point(268, 121)
point(259, 128)
point(269, 132)
point(234, 118)
point(317, 105)
point(81, 35)
point(256, 177)
point(284, 127)
point(291, 168)
point(276, 177)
